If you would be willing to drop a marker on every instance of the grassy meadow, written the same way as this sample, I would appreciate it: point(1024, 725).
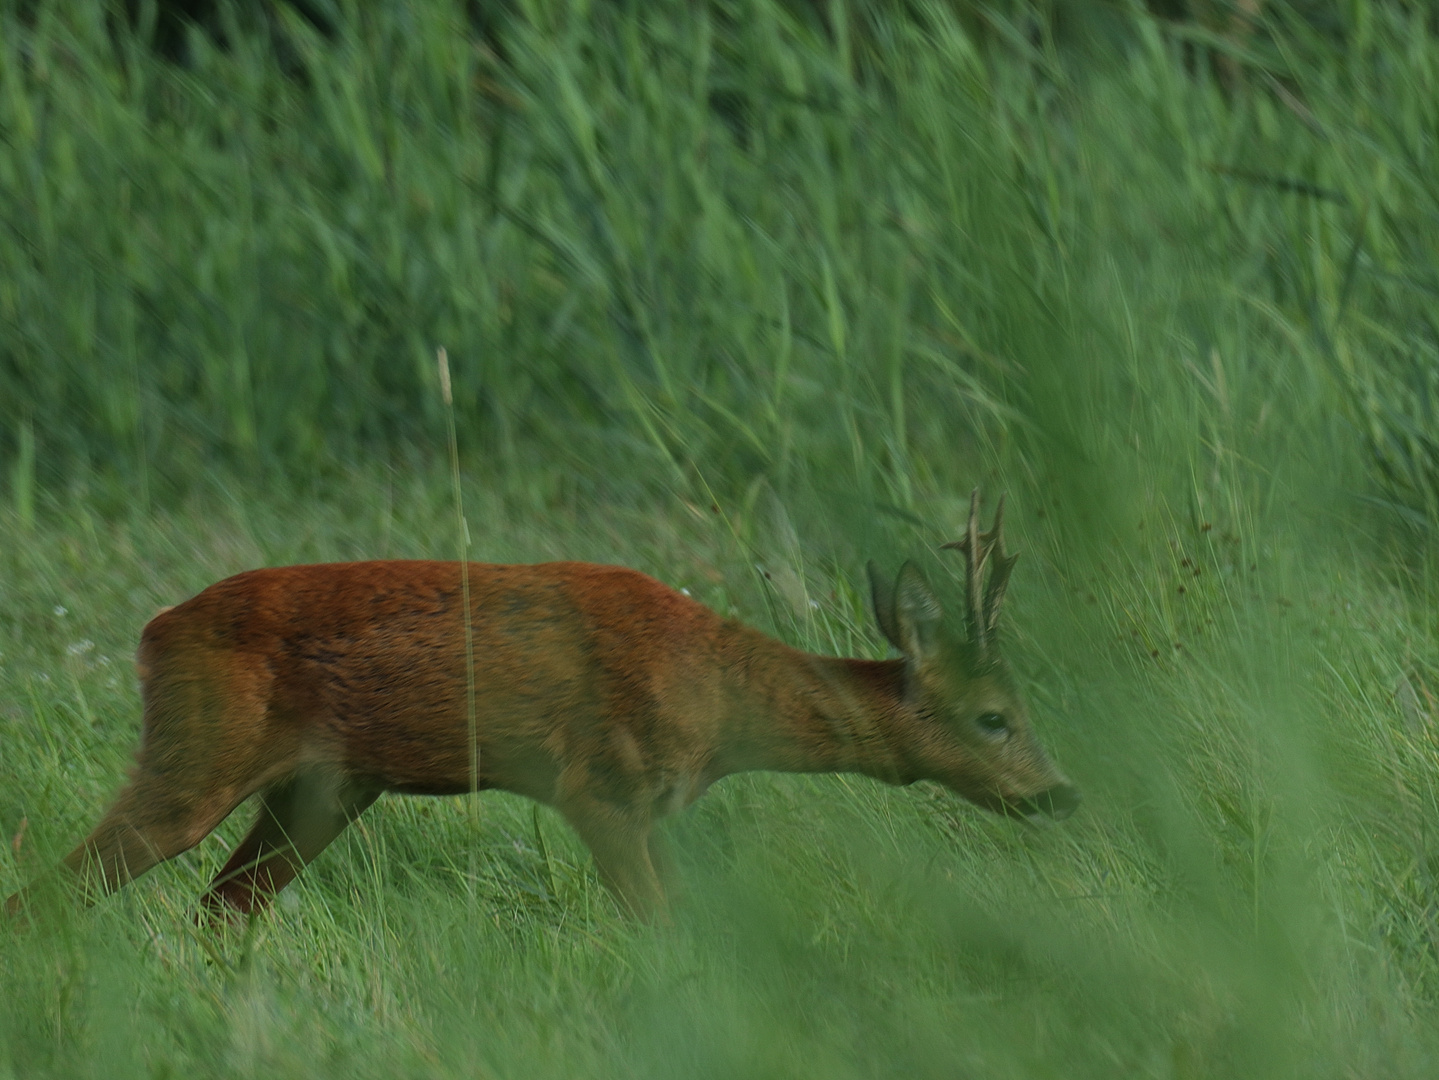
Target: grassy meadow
point(742, 299)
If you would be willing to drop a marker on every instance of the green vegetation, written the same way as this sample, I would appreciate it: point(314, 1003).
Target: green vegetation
point(741, 301)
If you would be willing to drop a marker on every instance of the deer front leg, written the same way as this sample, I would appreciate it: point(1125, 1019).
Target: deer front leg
point(619, 839)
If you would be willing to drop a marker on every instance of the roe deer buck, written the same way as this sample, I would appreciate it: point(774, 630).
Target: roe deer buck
point(596, 689)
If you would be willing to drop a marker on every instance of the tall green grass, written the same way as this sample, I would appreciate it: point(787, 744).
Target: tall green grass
point(715, 241)
point(1248, 888)
point(741, 302)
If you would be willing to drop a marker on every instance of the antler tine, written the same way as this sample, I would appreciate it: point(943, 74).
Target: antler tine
point(994, 539)
point(976, 551)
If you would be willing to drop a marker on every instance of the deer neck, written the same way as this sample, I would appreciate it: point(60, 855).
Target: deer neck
point(797, 712)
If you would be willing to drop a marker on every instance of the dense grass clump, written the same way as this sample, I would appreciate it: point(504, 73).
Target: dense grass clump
point(735, 244)
point(742, 298)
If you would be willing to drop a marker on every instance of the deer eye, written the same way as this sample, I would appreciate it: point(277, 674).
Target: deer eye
point(992, 724)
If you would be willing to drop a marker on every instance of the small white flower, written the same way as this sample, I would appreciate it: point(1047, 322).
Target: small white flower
point(79, 648)
point(60, 610)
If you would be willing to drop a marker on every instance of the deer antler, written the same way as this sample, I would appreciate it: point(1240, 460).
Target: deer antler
point(999, 576)
point(982, 601)
point(974, 554)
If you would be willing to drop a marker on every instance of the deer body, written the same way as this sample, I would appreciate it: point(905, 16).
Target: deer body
point(597, 690)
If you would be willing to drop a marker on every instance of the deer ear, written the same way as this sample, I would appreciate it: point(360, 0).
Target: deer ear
point(917, 613)
point(882, 595)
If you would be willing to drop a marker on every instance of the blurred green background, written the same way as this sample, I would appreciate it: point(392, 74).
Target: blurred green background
point(742, 293)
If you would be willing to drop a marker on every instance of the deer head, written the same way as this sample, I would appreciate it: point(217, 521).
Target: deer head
point(965, 723)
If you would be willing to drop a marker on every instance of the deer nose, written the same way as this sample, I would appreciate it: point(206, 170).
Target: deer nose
point(1058, 802)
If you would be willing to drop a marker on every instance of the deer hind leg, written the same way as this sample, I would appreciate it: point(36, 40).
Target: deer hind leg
point(299, 816)
point(207, 747)
point(150, 822)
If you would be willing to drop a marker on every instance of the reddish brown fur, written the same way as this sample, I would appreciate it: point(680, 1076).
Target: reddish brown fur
point(598, 690)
